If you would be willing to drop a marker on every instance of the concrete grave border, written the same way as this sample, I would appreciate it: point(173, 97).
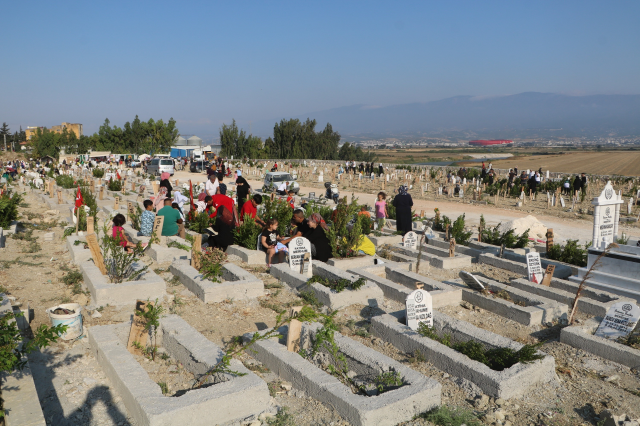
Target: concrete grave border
point(582, 337)
point(437, 257)
point(562, 271)
point(397, 283)
point(78, 253)
point(540, 310)
point(222, 403)
point(509, 383)
point(351, 262)
point(419, 395)
point(149, 286)
point(251, 257)
point(590, 301)
point(328, 297)
point(238, 283)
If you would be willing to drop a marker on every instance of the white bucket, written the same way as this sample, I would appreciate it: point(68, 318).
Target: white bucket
point(72, 321)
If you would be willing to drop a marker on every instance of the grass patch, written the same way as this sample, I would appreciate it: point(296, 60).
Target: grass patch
point(337, 285)
point(283, 418)
point(445, 416)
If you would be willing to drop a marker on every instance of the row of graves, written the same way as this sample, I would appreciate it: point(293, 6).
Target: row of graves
point(365, 386)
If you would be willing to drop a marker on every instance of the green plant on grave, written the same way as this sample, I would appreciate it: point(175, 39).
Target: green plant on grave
point(13, 350)
point(366, 223)
point(9, 208)
point(114, 185)
point(324, 338)
point(235, 346)
point(509, 238)
point(338, 285)
point(324, 210)
point(282, 418)
point(497, 359)
point(211, 261)
point(344, 237)
point(150, 316)
point(98, 173)
point(201, 222)
point(246, 235)
point(571, 253)
point(388, 380)
point(177, 245)
point(135, 216)
point(391, 211)
point(279, 210)
point(119, 263)
point(457, 231)
point(623, 239)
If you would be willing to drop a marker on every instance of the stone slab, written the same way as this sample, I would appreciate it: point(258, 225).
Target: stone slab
point(561, 271)
point(237, 283)
point(78, 253)
point(251, 257)
point(509, 383)
point(224, 403)
point(420, 394)
point(352, 262)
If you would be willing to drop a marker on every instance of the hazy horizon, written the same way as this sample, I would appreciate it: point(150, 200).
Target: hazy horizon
point(205, 64)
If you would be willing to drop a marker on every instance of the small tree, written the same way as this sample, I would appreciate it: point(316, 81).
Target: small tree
point(118, 262)
point(151, 318)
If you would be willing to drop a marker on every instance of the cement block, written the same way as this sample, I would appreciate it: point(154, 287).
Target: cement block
point(468, 251)
point(563, 270)
point(223, 403)
point(352, 262)
point(538, 309)
point(134, 234)
point(20, 399)
point(509, 383)
point(237, 284)
point(162, 254)
point(251, 257)
point(149, 286)
point(390, 408)
point(78, 253)
point(438, 258)
point(591, 302)
point(582, 337)
point(385, 239)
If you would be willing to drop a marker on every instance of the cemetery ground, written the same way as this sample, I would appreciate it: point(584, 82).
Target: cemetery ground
point(73, 390)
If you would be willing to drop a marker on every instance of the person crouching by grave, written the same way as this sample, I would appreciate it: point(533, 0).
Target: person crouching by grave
point(403, 203)
point(221, 234)
point(282, 188)
point(172, 220)
point(301, 224)
point(381, 210)
point(272, 242)
point(147, 218)
point(320, 244)
point(119, 235)
point(251, 208)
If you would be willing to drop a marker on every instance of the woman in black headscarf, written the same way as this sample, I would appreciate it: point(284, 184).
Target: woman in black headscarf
point(403, 203)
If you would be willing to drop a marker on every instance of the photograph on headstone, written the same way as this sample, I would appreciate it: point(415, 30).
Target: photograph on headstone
point(419, 307)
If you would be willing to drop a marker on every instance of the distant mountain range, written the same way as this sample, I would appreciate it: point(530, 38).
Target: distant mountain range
point(523, 115)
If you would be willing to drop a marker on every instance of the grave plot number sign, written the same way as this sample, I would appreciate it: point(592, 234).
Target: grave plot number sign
point(534, 267)
point(298, 247)
point(419, 309)
point(410, 240)
point(620, 321)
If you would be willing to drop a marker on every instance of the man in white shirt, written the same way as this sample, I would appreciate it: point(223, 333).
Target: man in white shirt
point(212, 185)
point(282, 188)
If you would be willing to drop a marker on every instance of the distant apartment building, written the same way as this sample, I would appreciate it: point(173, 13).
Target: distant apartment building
point(71, 127)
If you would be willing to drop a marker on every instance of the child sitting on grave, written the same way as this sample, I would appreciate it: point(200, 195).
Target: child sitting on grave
point(119, 235)
point(272, 242)
point(146, 218)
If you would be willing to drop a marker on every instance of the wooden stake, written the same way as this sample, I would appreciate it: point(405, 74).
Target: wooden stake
point(59, 196)
point(96, 254)
point(196, 252)
point(295, 327)
point(101, 196)
point(90, 227)
point(116, 203)
point(548, 275)
point(137, 333)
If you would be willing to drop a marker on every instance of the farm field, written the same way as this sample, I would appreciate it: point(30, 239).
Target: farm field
point(625, 163)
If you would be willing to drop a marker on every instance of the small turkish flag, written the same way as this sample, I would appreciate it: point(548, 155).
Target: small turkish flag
point(118, 175)
point(79, 200)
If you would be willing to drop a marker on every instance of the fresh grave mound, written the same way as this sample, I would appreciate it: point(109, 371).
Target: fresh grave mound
point(536, 228)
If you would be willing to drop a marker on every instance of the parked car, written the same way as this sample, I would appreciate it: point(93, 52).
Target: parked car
point(198, 166)
point(272, 180)
point(157, 166)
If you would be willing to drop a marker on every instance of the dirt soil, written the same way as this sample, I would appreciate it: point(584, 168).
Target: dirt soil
point(73, 390)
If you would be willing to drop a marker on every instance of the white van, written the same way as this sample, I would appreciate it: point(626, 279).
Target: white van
point(157, 166)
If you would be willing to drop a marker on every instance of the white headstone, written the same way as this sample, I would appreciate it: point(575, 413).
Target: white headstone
point(298, 247)
point(410, 240)
point(562, 201)
point(464, 181)
point(461, 193)
point(534, 267)
point(471, 281)
point(419, 309)
point(547, 174)
point(606, 213)
point(387, 178)
point(440, 191)
point(522, 195)
point(630, 206)
point(620, 321)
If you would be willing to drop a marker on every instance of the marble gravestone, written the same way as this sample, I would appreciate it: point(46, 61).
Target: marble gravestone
point(471, 281)
point(410, 240)
point(298, 248)
point(419, 309)
point(534, 267)
point(620, 321)
point(606, 214)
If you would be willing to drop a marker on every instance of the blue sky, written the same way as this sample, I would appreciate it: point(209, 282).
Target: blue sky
point(204, 63)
